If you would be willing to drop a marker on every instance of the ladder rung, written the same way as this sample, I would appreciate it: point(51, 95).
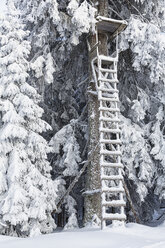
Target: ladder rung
point(108, 80)
point(112, 165)
point(110, 98)
point(107, 58)
point(113, 190)
point(108, 141)
point(112, 177)
point(108, 109)
point(108, 90)
point(102, 152)
point(102, 118)
point(108, 130)
point(114, 216)
point(108, 70)
point(114, 203)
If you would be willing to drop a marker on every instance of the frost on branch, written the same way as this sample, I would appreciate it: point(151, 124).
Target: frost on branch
point(142, 95)
point(65, 141)
point(158, 151)
point(49, 70)
point(136, 158)
point(38, 11)
point(148, 45)
point(42, 18)
point(70, 207)
point(72, 6)
point(83, 19)
point(66, 148)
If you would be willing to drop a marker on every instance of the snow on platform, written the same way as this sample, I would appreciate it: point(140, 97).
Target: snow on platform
point(131, 236)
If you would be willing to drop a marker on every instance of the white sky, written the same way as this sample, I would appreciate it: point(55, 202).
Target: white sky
point(2, 6)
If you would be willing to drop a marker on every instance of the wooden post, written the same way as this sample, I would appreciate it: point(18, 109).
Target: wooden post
point(92, 202)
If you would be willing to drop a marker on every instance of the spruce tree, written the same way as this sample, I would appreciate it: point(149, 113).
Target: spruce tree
point(27, 193)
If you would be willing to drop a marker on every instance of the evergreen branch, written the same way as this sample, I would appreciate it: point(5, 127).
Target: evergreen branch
point(137, 11)
point(130, 202)
point(71, 186)
point(116, 13)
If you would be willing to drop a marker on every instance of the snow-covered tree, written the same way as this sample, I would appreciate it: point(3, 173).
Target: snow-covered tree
point(41, 18)
point(142, 80)
point(83, 19)
point(55, 28)
point(65, 141)
point(27, 192)
point(66, 165)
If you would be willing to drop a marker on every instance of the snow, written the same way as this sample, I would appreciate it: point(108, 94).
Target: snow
point(147, 42)
point(91, 192)
point(83, 19)
point(66, 140)
point(2, 6)
point(131, 236)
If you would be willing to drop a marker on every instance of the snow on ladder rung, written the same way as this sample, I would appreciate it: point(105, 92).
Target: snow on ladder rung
point(109, 109)
point(107, 58)
point(103, 118)
point(113, 189)
point(112, 177)
point(114, 203)
point(112, 165)
point(114, 216)
point(108, 80)
point(113, 153)
point(108, 141)
point(108, 130)
point(108, 99)
point(108, 70)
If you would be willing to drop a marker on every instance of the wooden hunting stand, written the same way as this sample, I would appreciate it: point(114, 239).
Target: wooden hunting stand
point(104, 194)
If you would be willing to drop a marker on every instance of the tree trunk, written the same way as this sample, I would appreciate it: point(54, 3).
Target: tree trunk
point(92, 202)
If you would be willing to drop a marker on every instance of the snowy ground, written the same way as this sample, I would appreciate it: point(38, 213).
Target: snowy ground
point(133, 236)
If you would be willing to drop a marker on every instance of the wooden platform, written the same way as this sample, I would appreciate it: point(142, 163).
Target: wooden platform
point(111, 26)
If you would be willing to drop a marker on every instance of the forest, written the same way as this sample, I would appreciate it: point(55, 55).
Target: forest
point(82, 116)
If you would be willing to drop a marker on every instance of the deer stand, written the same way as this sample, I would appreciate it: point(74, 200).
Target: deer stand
point(106, 167)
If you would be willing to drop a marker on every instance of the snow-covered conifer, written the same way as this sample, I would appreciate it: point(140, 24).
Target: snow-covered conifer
point(41, 18)
point(64, 142)
point(27, 193)
point(142, 80)
point(83, 19)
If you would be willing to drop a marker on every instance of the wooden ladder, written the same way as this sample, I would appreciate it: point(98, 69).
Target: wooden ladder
point(104, 70)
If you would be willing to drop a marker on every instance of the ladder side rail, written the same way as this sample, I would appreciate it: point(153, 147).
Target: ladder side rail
point(117, 46)
point(94, 72)
point(120, 170)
